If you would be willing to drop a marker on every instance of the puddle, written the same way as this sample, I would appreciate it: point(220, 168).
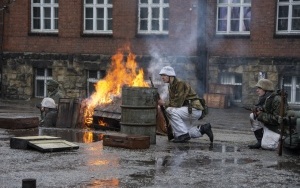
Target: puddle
point(114, 182)
point(293, 166)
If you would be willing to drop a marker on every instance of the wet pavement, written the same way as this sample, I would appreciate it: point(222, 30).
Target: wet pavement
point(226, 163)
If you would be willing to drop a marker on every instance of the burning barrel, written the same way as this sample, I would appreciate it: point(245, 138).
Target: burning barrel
point(138, 111)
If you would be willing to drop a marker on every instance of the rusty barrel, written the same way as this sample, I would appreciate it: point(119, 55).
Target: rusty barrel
point(138, 111)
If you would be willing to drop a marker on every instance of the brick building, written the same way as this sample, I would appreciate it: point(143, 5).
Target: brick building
point(230, 42)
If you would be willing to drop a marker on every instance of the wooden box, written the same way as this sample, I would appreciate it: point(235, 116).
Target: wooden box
point(127, 141)
point(216, 100)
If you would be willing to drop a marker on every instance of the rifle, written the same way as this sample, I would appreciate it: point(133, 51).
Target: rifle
point(253, 109)
point(281, 114)
point(163, 110)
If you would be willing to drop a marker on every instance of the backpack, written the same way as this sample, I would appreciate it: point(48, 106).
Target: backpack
point(205, 111)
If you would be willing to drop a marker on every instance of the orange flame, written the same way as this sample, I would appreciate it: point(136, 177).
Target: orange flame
point(119, 74)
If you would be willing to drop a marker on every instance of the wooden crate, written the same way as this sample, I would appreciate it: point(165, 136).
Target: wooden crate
point(216, 100)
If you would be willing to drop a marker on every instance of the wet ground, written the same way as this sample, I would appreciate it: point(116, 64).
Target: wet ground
point(226, 163)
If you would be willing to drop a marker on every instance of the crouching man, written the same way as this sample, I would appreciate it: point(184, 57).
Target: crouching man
point(48, 106)
point(183, 108)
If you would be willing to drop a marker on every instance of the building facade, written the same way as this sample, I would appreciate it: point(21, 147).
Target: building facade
point(230, 42)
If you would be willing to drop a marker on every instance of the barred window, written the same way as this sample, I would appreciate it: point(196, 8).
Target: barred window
point(98, 16)
point(153, 17)
point(44, 16)
point(233, 17)
point(288, 17)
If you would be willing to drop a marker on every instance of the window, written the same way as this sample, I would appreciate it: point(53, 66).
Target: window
point(98, 16)
point(93, 77)
point(41, 78)
point(236, 80)
point(153, 17)
point(288, 17)
point(44, 16)
point(233, 17)
point(292, 87)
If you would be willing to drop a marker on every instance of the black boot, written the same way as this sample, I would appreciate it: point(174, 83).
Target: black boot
point(206, 129)
point(182, 138)
point(259, 135)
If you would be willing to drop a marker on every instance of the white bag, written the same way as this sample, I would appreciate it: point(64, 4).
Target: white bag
point(270, 139)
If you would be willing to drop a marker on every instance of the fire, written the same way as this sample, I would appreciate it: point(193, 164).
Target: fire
point(119, 74)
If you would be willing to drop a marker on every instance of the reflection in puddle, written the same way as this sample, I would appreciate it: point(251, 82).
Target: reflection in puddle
point(104, 183)
point(293, 166)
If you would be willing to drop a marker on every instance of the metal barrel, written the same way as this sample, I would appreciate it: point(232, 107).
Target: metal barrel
point(138, 111)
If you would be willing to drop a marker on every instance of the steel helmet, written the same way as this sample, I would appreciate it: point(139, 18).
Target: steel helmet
point(48, 103)
point(265, 84)
point(52, 83)
point(167, 70)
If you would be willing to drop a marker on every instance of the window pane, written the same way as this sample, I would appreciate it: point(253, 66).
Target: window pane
point(36, 24)
point(166, 1)
point(166, 13)
point(36, 12)
point(144, 1)
point(144, 25)
point(295, 24)
point(155, 1)
point(49, 72)
point(36, 1)
point(47, 12)
point(100, 13)
point(56, 12)
point(235, 13)
point(47, 24)
point(235, 25)
point(222, 25)
point(89, 1)
point(109, 1)
point(155, 25)
point(247, 1)
point(109, 24)
point(100, 25)
point(166, 25)
point(89, 12)
point(100, 1)
point(283, 11)
point(236, 1)
point(109, 13)
point(282, 24)
point(222, 14)
point(247, 12)
point(296, 11)
point(88, 24)
point(144, 13)
point(47, 1)
point(56, 24)
point(40, 88)
point(155, 12)
point(92, 74)
point(223, 1)
point(40, 72)
point(297, 89)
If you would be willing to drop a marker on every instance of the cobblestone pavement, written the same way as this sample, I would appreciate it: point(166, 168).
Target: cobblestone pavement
point(226, 163)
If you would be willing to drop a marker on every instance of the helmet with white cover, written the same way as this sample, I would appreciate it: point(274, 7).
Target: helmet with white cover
point(167, 70)
point(48, 103)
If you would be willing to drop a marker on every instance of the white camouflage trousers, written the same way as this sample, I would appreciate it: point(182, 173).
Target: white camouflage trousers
point(182, 122)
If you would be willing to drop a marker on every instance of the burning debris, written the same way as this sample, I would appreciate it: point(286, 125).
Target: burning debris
point(108, 89)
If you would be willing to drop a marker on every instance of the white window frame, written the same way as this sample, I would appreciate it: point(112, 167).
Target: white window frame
point(45, 78)
point(95, 6)
point(100, 75)
point(292, 87)
point(149, 5)
point(229, 5)
point(230, 79)
point(42, 5)
point(290, 4)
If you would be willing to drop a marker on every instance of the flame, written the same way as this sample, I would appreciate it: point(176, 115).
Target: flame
point(87, 137)
point(119, 74)
point(102, 122)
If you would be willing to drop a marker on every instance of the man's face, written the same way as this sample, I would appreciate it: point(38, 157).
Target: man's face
point(260, 92)
point(165, 78)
